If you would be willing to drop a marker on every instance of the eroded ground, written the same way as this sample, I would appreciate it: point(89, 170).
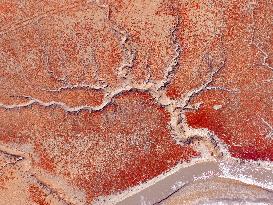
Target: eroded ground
point(101, 99)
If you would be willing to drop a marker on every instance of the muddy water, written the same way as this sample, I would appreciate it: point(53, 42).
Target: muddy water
point(225, 181)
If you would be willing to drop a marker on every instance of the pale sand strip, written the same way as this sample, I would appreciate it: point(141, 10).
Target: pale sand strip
point(253, 173)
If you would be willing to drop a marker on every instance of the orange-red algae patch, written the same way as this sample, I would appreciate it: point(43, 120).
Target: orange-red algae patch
point(37, 195)
point(102, 152)
point(237, 103)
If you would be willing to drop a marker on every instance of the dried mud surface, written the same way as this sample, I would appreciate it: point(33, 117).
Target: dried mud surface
point(103, 100)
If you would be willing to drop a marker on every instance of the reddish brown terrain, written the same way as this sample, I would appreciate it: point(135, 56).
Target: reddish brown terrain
point(95, 96)
point(227, 60)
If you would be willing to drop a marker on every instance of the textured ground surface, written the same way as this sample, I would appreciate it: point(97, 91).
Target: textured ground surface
point(100, 97)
